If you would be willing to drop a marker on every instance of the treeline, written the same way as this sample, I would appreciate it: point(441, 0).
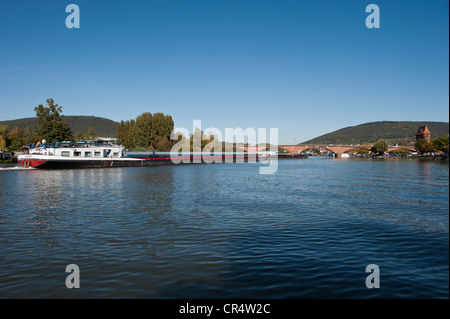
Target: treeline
point(52, 128)
point(440, 144)
point(149, 131)
point(80, 124)
point(199, 141)
point(14, 138)
point(153, 132)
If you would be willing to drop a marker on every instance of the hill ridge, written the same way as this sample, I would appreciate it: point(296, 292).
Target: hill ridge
point(103, 127)
point(392, 131)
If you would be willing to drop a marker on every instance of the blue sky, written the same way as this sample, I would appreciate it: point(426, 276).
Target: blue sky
point(305, 67)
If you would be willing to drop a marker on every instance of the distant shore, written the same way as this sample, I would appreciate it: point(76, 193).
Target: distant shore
point(394, 157)
point(414, 157)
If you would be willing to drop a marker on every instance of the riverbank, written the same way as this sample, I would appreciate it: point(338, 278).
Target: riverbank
point(9, 161)
point(438, 158)
point(421, 158)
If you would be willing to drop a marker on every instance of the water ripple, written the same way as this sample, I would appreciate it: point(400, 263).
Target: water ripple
point(224, 231)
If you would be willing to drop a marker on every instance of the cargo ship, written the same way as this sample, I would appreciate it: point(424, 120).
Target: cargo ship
point(105, 155)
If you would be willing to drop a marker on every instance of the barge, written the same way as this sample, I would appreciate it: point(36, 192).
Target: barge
point(104, 155)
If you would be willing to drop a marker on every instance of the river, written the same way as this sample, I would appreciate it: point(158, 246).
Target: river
point(225, 231)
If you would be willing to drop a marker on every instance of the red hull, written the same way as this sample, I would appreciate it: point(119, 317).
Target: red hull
point(31, 163)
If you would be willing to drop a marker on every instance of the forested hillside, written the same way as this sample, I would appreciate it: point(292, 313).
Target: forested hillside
point(393, 132)
point(79, 124)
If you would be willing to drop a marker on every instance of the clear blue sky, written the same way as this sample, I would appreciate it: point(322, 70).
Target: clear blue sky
point(306, 67)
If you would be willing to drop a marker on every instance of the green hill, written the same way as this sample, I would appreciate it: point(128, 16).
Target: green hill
point(393, 132)
point(103, 127)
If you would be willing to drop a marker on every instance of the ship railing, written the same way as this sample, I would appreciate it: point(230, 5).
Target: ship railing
point(81, 145)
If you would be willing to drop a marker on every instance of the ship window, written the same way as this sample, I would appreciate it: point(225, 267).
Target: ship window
point(97, 153)
point(88, 154)
point(115, 154)
point(65, 153)
point(76, 153)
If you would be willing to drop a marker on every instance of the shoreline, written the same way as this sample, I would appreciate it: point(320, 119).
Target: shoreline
point(420, 158)
point(9, 161)
point(390, 157)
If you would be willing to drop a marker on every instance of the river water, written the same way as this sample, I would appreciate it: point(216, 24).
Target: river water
point(225, 231)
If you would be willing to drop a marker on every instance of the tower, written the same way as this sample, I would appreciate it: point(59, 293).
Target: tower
point(423, 133)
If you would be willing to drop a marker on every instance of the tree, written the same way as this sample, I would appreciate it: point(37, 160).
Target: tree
point(199, 136)
point(52, 127)
point(180, 142)
point(147, 131)
point(4, 140)
point(420, 145)
point(429, 148)
point(380, 147)
point(423, 147)
point(163, 144)
point(441, 144)
point(144, 132)
point(125, 133)
point(2, 143)
point(161, 127)
point(29, 135)
point(16, 137)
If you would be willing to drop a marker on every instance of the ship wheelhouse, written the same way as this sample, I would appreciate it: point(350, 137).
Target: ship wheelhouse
point(90, 150)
